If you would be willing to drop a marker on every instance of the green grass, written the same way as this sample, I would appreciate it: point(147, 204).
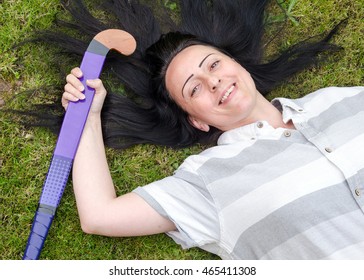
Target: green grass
point(25, 154)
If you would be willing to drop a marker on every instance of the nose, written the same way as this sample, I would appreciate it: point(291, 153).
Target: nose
point(214, 82)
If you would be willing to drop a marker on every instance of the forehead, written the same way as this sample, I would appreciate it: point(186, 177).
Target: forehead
point(184, 63)
point(191, 54)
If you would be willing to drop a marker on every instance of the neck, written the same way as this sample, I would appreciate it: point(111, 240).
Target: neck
point(267, 111)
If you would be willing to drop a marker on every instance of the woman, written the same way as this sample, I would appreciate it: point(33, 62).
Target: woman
point(283, 182)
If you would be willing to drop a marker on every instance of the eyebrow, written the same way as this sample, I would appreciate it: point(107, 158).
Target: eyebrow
point(200, 65)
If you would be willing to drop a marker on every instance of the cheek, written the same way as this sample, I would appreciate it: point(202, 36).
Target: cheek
point(248, 80)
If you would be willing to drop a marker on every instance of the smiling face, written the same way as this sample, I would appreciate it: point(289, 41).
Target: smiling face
point(212, 88)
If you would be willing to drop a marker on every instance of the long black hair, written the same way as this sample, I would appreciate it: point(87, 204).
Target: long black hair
point(146, 113)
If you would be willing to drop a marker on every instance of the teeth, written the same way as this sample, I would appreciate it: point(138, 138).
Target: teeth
point(226, 95)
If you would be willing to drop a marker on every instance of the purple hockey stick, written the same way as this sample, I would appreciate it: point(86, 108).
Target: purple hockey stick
point(70, 134)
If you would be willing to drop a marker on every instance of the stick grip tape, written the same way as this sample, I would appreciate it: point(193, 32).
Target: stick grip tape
point(41, 224)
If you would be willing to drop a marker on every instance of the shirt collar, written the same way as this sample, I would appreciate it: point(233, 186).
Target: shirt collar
point(246, 132)
point(288, 108)
point(254, 130)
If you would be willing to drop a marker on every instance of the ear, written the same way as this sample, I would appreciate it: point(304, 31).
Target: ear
point(198, 124)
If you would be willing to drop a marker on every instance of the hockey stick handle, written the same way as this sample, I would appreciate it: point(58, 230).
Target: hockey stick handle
point(41, 224)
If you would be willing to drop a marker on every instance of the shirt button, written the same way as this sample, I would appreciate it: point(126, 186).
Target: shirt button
point(260, 124)
point(357, 192)
point(287, 133)
point(328, 149)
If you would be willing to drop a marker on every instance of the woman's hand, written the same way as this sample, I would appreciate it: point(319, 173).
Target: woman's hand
point(73, 91)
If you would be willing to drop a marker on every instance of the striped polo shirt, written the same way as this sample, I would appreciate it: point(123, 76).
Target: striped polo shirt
point(275, 193)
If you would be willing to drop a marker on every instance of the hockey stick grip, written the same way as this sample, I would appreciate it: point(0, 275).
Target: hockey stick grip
point(41, 224)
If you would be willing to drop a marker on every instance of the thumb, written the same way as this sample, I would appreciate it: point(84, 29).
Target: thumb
point(97, 85)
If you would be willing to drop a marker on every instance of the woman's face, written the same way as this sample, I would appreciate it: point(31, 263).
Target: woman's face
point(212, 88)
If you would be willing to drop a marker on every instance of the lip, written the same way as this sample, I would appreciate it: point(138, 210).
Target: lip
point(229, 97)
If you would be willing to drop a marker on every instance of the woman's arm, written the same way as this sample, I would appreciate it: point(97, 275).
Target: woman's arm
point(100, 210)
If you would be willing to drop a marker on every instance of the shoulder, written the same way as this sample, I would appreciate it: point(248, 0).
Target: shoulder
point(331, 94)
point(331, 98)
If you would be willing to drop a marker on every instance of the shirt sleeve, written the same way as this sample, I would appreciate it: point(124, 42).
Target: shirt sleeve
point(185, 201)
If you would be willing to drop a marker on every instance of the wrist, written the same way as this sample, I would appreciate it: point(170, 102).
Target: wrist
point(93, 120)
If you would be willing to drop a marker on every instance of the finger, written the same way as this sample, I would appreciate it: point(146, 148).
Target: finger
point(64, 103)
point(75, 82)
point(97, 85)
point(77, 72)
point(68, 88)
point(66, 97)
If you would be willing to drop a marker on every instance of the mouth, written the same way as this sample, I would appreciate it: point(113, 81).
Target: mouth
point(227, 94)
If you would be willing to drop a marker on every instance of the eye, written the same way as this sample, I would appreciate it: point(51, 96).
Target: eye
point(213, 65)
point(194, 90)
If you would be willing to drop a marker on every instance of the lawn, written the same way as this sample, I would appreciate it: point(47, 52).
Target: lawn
point(26, 71)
